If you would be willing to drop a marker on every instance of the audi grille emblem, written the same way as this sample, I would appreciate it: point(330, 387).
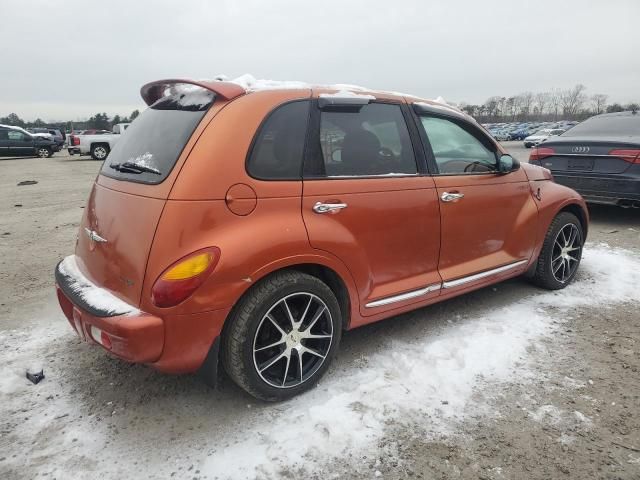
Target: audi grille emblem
point(580, 149)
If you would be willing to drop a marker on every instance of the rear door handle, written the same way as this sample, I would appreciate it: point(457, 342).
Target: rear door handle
point(451, 197)
point(328, 207)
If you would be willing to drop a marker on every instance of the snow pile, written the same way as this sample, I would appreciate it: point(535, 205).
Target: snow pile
point(428, 381)
point(144, 161)
point(95, 296)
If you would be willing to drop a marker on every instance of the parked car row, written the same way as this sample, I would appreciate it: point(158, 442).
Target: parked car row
point(521, 130)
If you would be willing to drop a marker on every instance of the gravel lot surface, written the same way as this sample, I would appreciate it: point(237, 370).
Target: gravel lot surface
point(564, 403)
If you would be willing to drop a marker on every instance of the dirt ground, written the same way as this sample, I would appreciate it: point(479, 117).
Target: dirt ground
point(578, 417)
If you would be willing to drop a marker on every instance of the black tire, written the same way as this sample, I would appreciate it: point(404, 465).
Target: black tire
point(545, 274)
point(99, 151)
point(248, 321)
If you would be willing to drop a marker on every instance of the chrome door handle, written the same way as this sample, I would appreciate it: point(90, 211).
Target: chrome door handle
point(450, 197)
point(328, 207)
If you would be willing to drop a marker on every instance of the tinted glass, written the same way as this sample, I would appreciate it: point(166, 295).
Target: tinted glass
point(149, 149)
point(371, 141)
point(279, 146)
point(455, 149)
point(18, 136)
point(619, 125)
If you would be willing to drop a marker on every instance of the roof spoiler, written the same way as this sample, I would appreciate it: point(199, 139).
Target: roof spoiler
point(152, 92)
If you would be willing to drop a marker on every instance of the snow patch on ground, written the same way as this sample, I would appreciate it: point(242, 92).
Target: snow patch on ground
point(428, 382)
point(97, 297)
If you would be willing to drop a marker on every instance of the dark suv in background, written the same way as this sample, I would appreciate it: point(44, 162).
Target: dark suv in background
point(57, 135)
point(15, 141)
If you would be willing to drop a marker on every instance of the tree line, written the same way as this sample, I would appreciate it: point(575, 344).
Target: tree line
point(567, 104)
point(99, 121)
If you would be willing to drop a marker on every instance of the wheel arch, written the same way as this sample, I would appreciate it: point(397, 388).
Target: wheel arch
point(580, 213)
point(323, 272)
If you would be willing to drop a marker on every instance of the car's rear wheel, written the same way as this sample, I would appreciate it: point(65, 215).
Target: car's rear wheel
point(282, 336)
point(44, 152)
point(561, 252)
point(99, 152)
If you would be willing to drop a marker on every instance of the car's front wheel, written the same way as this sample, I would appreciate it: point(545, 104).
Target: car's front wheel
point(561, 252)
point(282, 336)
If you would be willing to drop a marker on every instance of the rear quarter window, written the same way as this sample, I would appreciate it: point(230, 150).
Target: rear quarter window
point(149, 149)
point(278, 148)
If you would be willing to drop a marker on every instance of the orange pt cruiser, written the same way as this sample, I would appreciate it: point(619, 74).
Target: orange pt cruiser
point(252, 226)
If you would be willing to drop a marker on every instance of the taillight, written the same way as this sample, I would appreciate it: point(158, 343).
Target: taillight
point(629, 155)
point(75, 141)
point(538, 153)
point(182, 278)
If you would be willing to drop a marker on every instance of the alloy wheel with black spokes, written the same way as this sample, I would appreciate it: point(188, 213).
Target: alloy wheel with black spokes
point(561, 252)
point(282, 335)
point(292, 340)
point(567, 250)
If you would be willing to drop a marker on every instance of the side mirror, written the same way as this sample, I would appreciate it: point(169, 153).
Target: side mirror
point(507, 164)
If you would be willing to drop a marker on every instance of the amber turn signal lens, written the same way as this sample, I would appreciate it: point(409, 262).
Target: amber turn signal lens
point(184, 277)
point(189, 268)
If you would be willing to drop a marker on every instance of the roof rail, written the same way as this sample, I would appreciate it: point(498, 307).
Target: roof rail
point(151, 92)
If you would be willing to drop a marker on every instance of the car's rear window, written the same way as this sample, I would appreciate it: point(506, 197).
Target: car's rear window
point(150, 147)
point(618, 125)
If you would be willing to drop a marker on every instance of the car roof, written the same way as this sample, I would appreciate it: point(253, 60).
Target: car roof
point(246, 84)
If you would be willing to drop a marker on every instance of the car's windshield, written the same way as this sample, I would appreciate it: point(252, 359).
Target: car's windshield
point(149, 149)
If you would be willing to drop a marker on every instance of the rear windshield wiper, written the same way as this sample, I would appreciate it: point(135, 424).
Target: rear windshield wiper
point(130, 167)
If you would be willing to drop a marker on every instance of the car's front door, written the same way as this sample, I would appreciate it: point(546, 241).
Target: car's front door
point(488, 218)
point(366, 202)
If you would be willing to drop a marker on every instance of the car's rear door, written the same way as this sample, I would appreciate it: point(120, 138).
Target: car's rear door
point(488, 220)
point(367, 202)
point(4, 142)
point(20, 143)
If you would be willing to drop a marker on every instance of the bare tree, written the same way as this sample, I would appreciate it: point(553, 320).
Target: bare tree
point(526, 100)
point(542, 100)
point(572, 99)
point(599, 102)
point(555, 97)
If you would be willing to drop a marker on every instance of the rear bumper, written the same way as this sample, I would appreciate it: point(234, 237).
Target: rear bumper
point(135, 338)
point(172, 343)
point(602, 188)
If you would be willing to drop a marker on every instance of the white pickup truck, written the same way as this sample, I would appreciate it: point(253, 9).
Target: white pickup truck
point(99, 146)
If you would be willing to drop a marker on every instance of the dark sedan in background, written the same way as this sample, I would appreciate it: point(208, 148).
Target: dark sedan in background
point(600, 158)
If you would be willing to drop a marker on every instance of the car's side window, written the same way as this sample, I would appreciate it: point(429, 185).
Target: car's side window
point(4, 134)
point(278, 148)
point(15, 135)
point(374, 140)
point(457, 151)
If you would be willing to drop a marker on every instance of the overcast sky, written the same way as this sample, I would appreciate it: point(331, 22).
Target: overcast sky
point(70, 59)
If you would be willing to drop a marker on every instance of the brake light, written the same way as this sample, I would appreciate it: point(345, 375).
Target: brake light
point(182, 278)
point(75, 141)
point(628, 155)
point(538, 153)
